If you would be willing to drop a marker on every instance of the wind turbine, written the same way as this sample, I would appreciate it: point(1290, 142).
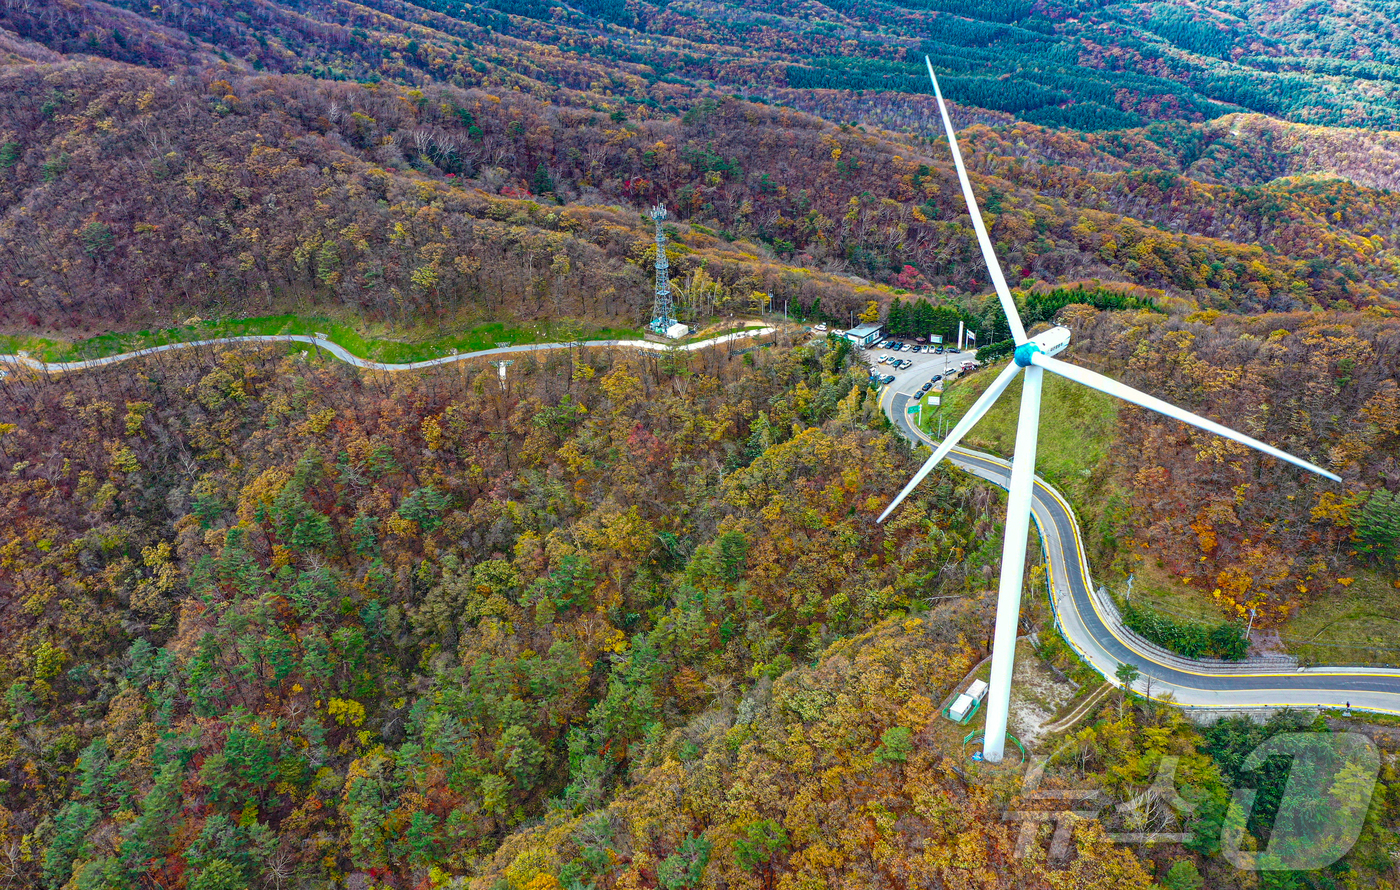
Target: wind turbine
point(1034, 355)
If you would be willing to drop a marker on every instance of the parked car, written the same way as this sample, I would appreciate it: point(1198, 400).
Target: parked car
point(935, 379)
point(889, 378)
point(926, 387)
point(939, 350)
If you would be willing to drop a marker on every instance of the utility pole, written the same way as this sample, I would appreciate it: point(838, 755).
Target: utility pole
point(1249, 630)
point(1129, 597)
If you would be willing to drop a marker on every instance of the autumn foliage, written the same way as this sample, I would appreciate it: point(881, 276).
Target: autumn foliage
point(272, 618)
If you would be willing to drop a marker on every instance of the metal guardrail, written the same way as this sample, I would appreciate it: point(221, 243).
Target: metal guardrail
point(1281, 664)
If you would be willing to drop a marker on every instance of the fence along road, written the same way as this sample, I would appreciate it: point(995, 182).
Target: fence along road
point(1093, 627)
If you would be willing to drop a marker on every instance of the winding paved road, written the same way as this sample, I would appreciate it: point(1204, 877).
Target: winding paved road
point(1078, 613)
point(1081, 619)
point(350, 358)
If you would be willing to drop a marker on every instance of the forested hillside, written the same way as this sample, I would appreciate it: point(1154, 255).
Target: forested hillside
point(271, 620)
point(620, 621)
point(623, 620)
point(126, 194)
point(1083, 64)
point(194, 180)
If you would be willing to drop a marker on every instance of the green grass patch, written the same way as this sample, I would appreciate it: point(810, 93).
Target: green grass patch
point(1077, 429)
point(1358, 624)
point(376, 342)
point(1159, 590)
point(14, 344)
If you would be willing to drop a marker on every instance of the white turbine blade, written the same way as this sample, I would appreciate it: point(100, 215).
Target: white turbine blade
point(968, 421)
point(1008, 305)
point(1128, 394)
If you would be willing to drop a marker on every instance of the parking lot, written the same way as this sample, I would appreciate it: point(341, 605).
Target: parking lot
point(919, 367)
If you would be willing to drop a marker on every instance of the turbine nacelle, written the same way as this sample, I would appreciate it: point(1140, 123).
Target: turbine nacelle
point(1051, 343)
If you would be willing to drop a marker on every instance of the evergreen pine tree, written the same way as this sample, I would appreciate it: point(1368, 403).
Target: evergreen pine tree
point(896, 320)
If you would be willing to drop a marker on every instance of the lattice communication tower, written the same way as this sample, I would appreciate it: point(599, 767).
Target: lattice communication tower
point(663, 314)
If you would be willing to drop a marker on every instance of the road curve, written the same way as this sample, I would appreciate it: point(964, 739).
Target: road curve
point(1190, 684)
point(351, 359)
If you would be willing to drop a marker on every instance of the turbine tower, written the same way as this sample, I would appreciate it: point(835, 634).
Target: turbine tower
point(663, 315)
point(1034, 355)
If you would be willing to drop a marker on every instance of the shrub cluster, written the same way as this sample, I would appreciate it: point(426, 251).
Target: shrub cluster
point(1225, 640)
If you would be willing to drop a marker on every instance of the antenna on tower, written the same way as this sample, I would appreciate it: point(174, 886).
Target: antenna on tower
point(663, 314)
